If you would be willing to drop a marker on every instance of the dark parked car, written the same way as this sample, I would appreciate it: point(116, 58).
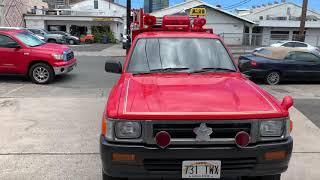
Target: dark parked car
point(69, 38)
point(275, 64)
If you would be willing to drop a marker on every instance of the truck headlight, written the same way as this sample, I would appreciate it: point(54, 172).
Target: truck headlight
point(58, 56)
point(271, 128)
point(128, 130)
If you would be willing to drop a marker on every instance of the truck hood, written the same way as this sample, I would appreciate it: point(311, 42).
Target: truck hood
point(194, 96)
point(52, 47)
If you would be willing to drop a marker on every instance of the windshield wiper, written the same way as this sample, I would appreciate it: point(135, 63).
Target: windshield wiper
point(213, 69)
point(161, 70)
point(169, 69)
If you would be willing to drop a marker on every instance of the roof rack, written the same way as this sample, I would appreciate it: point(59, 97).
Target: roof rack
point(143, 22)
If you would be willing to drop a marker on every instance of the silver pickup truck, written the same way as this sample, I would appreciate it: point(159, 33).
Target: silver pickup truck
point(49, 37)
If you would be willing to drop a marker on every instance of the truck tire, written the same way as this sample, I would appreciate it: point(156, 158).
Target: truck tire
point(41, 73)
point(71, 42)
point(106, 177)
point(273, 78)
point(52, 41)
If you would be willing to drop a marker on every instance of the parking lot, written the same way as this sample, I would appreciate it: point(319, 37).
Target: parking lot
point(51, 131)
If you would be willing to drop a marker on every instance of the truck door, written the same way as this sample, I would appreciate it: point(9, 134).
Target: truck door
point(10, 55)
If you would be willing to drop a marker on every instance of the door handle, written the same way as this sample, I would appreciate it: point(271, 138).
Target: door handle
point(26, 54)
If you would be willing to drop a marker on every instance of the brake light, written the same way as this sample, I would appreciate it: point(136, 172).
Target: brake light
point(253, 63)
point(291, 125)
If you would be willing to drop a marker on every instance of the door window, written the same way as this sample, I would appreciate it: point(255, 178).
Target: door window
point(297, 44)
point(6, 42)
point(303, 56)
point(288, 44)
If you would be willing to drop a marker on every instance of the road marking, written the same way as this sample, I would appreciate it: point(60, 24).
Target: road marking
point(14, 90)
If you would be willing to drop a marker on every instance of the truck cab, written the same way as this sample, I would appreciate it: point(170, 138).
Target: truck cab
point(182, 109)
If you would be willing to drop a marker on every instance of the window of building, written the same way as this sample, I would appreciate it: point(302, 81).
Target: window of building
point(96, 4)
point(279, 35)
point(261, 17)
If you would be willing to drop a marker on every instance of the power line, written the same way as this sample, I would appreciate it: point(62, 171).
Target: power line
point(237, 4)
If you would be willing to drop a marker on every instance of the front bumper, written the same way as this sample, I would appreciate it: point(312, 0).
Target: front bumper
point(153, 162)
point(256, 73)
point(65, 67)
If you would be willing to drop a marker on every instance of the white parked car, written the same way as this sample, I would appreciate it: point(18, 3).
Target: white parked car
point(295, 44)
point(292, 44)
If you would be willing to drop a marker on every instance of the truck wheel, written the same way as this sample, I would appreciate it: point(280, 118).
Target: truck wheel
point(71, 42)
point(41, 73)
point(52, 41)
point(273, 78)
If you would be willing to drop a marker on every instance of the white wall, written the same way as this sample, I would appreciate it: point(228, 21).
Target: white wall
point(280, 11)
point(312, 35)
point(35, 23)
point(231, 27)
point(105, 8)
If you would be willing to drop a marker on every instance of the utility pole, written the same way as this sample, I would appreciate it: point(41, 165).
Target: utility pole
point(303, 20)
point(128, 25)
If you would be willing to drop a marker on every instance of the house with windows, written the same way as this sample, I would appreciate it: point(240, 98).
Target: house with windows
point(80, 17)
point(280, 21)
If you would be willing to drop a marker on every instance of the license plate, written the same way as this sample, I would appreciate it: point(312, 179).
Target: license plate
point(201, 169)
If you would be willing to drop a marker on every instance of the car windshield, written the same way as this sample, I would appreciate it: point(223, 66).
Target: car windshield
point(179, 54)
point(29, 39)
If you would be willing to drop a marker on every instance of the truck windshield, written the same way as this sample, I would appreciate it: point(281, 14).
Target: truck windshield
point(179, 54)
point(29, 39)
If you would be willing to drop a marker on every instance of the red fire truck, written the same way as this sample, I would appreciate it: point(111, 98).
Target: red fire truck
point(182, 109)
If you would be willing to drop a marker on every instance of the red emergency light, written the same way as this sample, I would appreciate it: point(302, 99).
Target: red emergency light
point(150, 20)
point(176, 23)
point(198, 23)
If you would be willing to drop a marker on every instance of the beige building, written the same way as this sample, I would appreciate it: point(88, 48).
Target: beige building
point(12, 11)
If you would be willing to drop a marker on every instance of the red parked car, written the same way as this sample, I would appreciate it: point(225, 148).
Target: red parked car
point(21, 52)
point(182, 109)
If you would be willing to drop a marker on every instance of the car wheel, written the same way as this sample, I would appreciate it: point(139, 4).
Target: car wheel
point(71, 42)
point(106, 177)
point(41, 73)
point(52, 41)
point(273, 78)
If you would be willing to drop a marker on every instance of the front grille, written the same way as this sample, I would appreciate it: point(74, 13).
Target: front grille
point(70, 55)
point(227, 130)
point(176, 164)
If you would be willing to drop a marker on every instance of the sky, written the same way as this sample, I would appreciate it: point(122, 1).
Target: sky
point(230, 4)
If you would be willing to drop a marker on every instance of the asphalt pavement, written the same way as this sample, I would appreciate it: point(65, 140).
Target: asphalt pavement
point(51, 131)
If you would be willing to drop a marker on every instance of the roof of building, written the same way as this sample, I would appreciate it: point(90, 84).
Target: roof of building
point(191, 4)
point(262, 9)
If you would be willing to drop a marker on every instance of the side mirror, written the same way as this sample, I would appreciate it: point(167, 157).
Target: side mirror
point(13, 45)
point(113, 67)
point(287, 102)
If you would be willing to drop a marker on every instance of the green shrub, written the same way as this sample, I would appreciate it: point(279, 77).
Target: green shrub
point(100, 31)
